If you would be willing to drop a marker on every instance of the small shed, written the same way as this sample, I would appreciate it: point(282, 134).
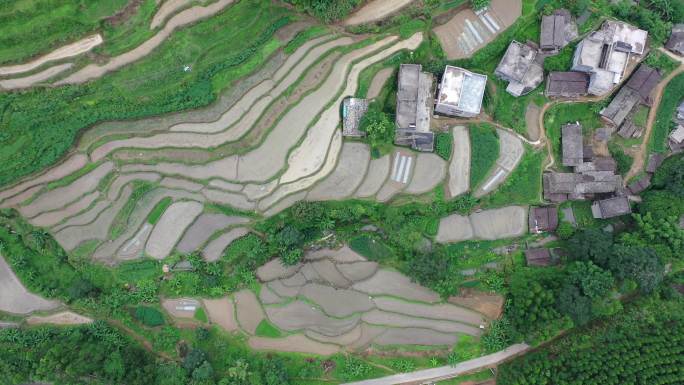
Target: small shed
point(676, 41)
point(640, 185)
point(654, 161)
point(538, 257)
point(542, 219)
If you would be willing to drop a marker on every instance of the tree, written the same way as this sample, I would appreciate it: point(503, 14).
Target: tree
point(378, 127)
point(593, 281)
point(203, 372)
point(640, 264)
point(194, 359)
point(479, 4)
point(591, 245)
point(574, 304)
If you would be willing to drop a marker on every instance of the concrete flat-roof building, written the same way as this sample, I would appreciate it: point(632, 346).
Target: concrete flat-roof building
point(414, 104)
point(604, 54)
point(568, 84)
point(414, 98)
point(460, 92)
point(676, 41)
point(572, 144)
point(610, 208)
point(557, 30)
point(522, 67)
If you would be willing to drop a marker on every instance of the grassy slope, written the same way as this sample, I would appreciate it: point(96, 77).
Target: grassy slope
point(524, 184)
point(28, 28)
point(41, 125)
point(673, 94)
point(484, 150)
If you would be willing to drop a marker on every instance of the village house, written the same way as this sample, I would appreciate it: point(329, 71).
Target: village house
point(676, 41)
point(557, 30)
point(592, 176)
point(567, 84)
point(460, 93)
point(635, 92)
point(605, 53)
point(611, 207)
point(522, 67)
point(572, 143)
point(414, 102)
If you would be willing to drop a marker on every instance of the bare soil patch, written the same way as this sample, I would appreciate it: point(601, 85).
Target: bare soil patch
point(429, 171)
point(249, 311)
point(181, 307)
point(459, 167)
point(170, 227)
point(61, 196)
point(378, 317)
point(61, 318)
point(376, 10)
point(489, 304)
point(29, 81)
point(53, 217)
point(387, 282)
point(532, 121)
point(203, 228)
point(266, 161)
point(70, 237)
point(166, 9)
point(375, 177)
point(296, 343)
point(221, 312)
point(439, 311)
point(72, 164)
point(378, 82)
point(14, 298)
point(337, 302)
point(186, 17)
point(415, 336)
point(299, 315)
point(347, 176)
point(69, 50)
point(215, 248)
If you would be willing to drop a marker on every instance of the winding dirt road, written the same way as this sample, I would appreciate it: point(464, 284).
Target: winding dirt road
point(641, 154)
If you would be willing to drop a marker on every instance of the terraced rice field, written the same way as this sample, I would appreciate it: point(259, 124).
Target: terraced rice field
point(337, 300)
point(94, 197)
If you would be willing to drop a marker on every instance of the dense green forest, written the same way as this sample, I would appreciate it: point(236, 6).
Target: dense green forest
point(642, 345)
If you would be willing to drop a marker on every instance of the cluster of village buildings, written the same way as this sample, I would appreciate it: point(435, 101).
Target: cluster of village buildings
point(602, 61)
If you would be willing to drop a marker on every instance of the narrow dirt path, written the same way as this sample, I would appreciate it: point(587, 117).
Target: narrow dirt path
point(641, 154)
point(147, 345)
